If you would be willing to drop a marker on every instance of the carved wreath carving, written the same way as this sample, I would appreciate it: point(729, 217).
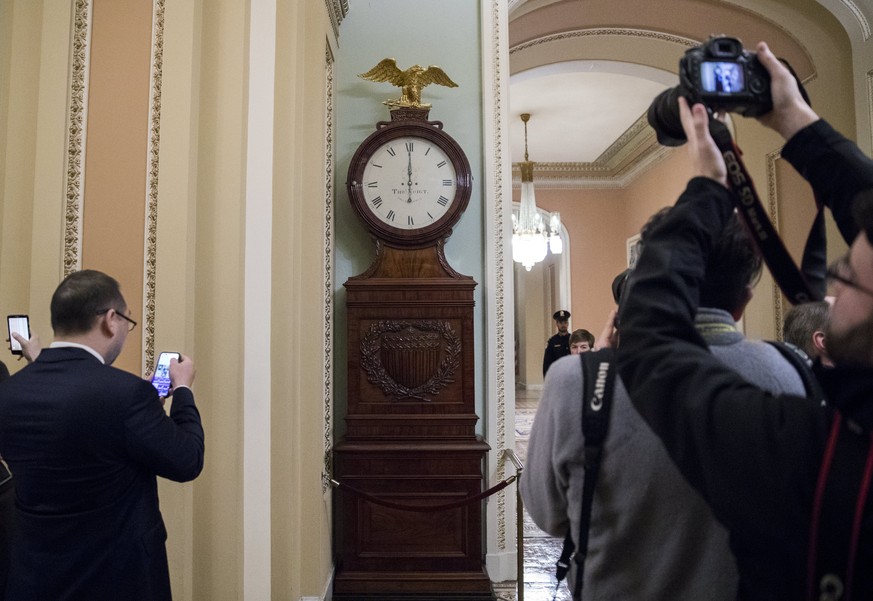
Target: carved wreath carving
point(421, 373)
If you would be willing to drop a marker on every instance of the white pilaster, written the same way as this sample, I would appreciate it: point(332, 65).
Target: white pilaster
point(501, 539)
point(258, 266)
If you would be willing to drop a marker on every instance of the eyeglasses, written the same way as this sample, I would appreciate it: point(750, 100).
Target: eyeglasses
point(131, 324)
point(835, 274)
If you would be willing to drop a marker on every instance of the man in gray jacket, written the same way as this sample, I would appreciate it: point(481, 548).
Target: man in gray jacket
point(652, 537)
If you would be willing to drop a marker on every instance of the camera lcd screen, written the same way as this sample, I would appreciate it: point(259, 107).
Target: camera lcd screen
point(722, 77)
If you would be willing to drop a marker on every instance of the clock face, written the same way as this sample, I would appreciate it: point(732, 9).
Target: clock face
point(409, 183)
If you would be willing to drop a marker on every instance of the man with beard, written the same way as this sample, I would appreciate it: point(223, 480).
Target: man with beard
point(645, 520)
point(787, 476)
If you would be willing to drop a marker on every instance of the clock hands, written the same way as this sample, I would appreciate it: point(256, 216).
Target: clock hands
point(409, 175)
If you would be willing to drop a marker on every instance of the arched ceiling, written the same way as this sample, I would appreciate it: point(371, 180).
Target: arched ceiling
point(586, 71)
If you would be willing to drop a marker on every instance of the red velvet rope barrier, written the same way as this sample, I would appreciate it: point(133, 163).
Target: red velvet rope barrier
point(423, 508)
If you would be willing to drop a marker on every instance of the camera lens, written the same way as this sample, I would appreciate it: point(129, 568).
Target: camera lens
point(664, 118)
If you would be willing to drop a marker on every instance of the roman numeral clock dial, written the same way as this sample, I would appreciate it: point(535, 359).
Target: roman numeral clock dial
point(409, 182)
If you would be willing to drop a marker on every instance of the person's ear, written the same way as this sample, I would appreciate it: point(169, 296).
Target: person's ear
point(749, 293)
point(110, 324)
point(104, 324)
point(818, 340)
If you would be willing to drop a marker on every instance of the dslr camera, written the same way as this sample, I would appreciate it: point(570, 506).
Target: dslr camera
point(719, 74)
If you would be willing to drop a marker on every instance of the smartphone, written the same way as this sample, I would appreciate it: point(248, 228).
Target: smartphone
point(20, 324)
point(161, 377)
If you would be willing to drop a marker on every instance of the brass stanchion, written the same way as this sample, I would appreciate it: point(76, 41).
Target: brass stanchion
point(519, 521)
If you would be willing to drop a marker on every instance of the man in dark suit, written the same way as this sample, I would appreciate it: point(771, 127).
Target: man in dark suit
point(86, 442)
point(7, 507)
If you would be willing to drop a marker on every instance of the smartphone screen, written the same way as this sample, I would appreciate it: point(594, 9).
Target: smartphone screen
point(161, 377)
point(20, 324)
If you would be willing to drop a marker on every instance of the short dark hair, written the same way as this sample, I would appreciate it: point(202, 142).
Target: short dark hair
point(800, 323)
point(80, 298)
point(582, 336)
point(733, 264)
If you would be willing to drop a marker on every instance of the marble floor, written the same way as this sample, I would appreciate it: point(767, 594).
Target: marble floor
point(541, 551)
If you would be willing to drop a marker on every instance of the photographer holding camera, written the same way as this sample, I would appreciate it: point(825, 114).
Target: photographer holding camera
point(787, 476)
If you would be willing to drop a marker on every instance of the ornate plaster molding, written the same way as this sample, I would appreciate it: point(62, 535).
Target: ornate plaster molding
point(604, 31)
point(860, 17)
point(337, 10)
point(77, 127)
point(773, 210)
point(498, 300)
point(328, 273)
point(153, 156)
point(631, 155)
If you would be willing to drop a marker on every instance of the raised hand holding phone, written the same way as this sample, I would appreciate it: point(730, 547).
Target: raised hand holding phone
point(161, 375)
point(182, 372)
point(172, 371)
point(17, 324)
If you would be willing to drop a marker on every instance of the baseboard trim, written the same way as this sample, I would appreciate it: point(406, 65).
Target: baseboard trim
point(327, 591)
point(502, 566)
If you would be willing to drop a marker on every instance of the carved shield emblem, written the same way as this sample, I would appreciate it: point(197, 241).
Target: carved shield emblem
point(410, 360)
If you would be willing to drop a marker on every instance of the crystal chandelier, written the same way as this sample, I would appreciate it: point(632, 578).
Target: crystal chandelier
point(531, 238)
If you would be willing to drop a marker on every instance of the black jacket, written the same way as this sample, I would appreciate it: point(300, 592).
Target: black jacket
point(86, 442)
point(754, 457)
point(556, 347)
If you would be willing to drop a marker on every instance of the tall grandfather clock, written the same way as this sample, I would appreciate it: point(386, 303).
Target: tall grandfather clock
point(410, 438)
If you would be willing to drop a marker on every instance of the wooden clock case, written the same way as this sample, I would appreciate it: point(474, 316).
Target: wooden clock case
point(410, 435)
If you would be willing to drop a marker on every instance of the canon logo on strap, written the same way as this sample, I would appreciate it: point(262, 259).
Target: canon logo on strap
point(599, 386)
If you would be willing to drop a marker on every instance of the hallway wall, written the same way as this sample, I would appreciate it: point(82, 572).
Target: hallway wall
point(240, 168)
point(260, 112)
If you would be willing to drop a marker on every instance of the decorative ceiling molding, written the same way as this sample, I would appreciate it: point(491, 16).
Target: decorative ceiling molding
point(611, 31)
point(860, 17)
point(337, 10)
point(633, 153)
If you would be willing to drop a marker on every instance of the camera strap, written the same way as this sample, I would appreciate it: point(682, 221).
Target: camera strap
point(788, 277)
point(598, 374)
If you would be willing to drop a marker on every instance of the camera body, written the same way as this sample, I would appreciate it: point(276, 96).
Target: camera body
point(725, 77)
point(719, 74)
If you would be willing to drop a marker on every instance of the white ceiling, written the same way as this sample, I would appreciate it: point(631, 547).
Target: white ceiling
point(579, 108)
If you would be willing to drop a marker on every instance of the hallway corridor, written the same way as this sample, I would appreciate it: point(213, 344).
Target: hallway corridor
point(541, 551)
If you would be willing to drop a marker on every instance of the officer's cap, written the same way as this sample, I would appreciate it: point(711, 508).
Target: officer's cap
point(561, 315)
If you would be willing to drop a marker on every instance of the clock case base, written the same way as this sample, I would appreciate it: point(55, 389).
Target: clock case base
point(410, 451)
point(388, 553)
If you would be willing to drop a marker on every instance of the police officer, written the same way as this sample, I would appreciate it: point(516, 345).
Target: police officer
point(559, 344)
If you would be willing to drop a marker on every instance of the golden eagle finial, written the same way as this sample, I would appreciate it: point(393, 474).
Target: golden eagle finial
point(410, 81)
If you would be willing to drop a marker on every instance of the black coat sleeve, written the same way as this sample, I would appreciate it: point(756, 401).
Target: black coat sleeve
point(835, 168)
point(171, 447)
point(731, 440)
